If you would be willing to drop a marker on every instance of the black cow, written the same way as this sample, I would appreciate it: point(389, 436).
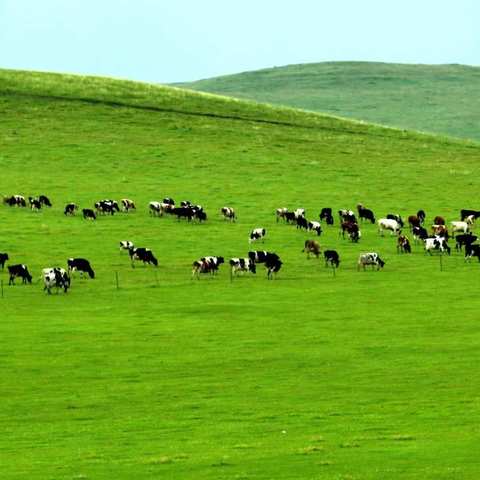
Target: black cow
point(421, 216)
point(365, 213)
point(3, 259)
point(332, 258)
point(326, 214)
point(45, 201)
point(472, 251)
point(89, 213)
point(81, 265)
point(464, 239)
point(70, 209)
point(142, 254)
point(464, 213)
point(15, 201)
point(419, 233)
point(200, 215)
point(19, 271)
point(273, 265)
point(34, 203)
point(302, 222)
point(183, 212)
point(261, 256)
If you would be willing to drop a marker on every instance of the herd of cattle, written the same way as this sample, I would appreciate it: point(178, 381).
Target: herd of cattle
point(437, 240)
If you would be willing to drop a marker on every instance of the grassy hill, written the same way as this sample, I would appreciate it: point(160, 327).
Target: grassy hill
point(357, 375)
point(442, 99)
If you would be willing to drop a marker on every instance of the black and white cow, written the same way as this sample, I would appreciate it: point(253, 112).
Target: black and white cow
point(45, 201)
point(436, 243)
point(347, 215)
point(142, 254)
point(315, 227)
point(229, 213)
point(395, 216)
point(81, 265)
point(419, 233)
point(370, 258)
point(154, 208)
point(464, 239)
point(55, 277)
point(126, 245)
point(127, 204)
point(472, 250)
point(70, 209)
point(107, 206)
point(464, 213)
point(332, 258)
point(15, 201)
point(3, 259)
point(273, 265)
point(34, 203)
point(213, 262)
point(206, 265)
point(88, 213)
point(242, 265)
point(257, 234)
point(261, 256)
point(19, 271)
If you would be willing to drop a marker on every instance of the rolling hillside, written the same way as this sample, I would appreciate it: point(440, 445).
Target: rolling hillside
point(443, 99)
point(145, 373)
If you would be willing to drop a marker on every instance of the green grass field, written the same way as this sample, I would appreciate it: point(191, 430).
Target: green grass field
point(361, 375)
point(443, 99)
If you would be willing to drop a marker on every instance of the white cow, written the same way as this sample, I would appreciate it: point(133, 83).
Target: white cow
point(256, 234)
point(436, 243)
point(460, 227)
point(388, 224)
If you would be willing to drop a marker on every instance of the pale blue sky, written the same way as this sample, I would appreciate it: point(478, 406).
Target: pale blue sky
point(182, 40)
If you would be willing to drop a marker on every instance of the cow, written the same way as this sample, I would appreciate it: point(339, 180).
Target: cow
point(352, 230)
point(464, 213)
point(242, 265)
point(107, 206)
point(3, 259)
point(314, 226)
point(154, 208)
point(396, 217)
point(169, 201)
point(438, 220)
point(206, 265)
point(88, 213)
point(142, 254)
point(462, 227)
point(166, 207)
point(332, 258)
point(261, 256)
point(81, 265)
point(421, 216)
point(419, 233)
point(55, 277)
point(126, 245)
point(45, 201)
point(326, 214)
point(403, 244)
point(15, 201)
point(299, 212)
point(34, 203)
point(440, 230)
point(70, 209)
point(370, 258)
point(436, 243)
point(257, 234)
point(472, 251)
point(464, 239)
point(302, 222)
point(229, 213)
point(19, 271)
point(311, 246)
point(199, 214)
point(365, 213)
point(414, 221)
point(273, 265)
point(280, 213)
point(347, 216)
point(127, 204)
point(388, 224)
point(186, 212)
point(214, 262)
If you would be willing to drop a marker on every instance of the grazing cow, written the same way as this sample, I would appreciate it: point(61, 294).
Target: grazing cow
point(88, 213)
point(261, 256)
point(242, 265)
point(299, 212)
point(3, 259)
point(388, 224)
point(464, 239)
point(166, 208)
point(421, 216)
point(438, 220)
point(332, 258)
point(19, 271)
point(45, 201)
point(213, 262)
point(256, 234)
point(372, 259)
point(440, 230)
point(436, 243)
point(302, 222)
point(472, 251)
point(466, 213)
point(154, 208)
point(273, 265)
point(15, 201)
point(280, 213)
point(311, 246)
point(365, 213)
point(347, 216)
point(55, 277)
point(462, 227)
point(403, 244)
point(142, 254)
point(419, 233)
point(70, 209)
point(200, 215)
point(414, 221)
point(326, 214)
point(315, 226)
point(126, 245)
point(80, 264)
point(229, 213)
point(34, 203)
point(186, 212)
point(206, 265)
point(352, 230)
point(396, 217)
point(107, 206)
point(127, 204)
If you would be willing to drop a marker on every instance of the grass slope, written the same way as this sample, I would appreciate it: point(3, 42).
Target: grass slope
point(358, 376)
point(442, 99)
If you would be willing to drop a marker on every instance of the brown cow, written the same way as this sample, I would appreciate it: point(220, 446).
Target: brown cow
point(414, 221)
point(312, 246)
point(403, 244)
point(439, 220)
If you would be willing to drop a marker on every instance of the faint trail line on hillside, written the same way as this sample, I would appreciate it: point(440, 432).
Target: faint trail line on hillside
point(152, 108)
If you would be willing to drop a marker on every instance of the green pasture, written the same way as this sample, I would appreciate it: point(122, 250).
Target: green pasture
point(444, 99)
point(315, 375)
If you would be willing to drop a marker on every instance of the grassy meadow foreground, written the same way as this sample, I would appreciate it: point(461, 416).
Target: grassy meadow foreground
point(444, 99)
point(361, 375)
